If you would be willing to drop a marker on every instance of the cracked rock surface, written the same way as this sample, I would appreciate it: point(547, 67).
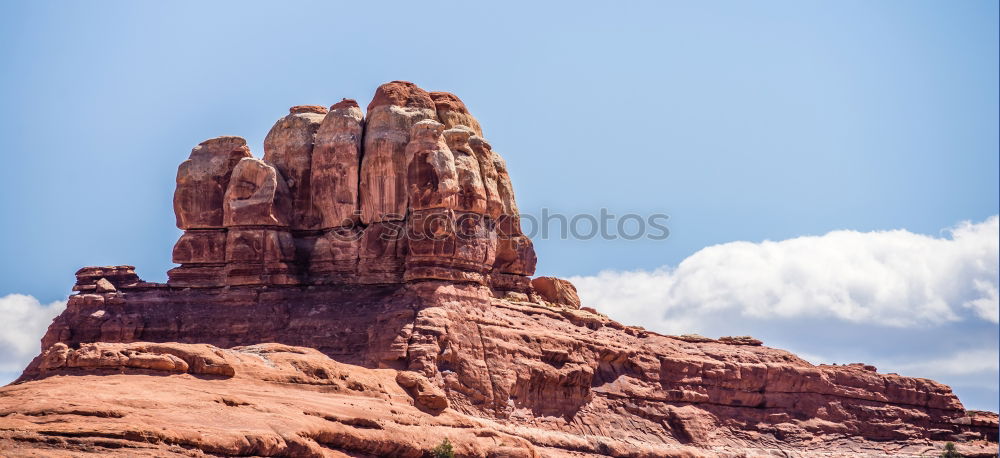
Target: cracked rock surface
point(301, 323)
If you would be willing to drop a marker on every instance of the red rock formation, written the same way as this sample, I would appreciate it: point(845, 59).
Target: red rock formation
point(383, 335)
point(105, 279)
point(257, 196)
point(488, 171)
point(202, 181)
point(382, 253)
point(145, 399)
point(260, 249)
point(431, 179)
point(451, 111)
point(336, 159)
point(471, 190)
point(332, 254)
point(556, 291)
point(411, 193)
point(557, 381)
point(396, 107)
point(288, 147)
point(515, 255)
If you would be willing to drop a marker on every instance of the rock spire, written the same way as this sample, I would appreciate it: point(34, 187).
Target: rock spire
point(409, 191)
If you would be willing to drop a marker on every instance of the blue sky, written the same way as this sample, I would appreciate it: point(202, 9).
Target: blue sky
point(741, 121)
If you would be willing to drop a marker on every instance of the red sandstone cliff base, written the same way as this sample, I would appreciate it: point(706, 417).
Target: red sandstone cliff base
point(365, 290)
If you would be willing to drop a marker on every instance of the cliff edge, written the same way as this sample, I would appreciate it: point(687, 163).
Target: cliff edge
point(365, 290)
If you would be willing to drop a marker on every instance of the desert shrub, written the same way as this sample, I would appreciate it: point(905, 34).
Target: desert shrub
point(443, 450)
point(950, 452)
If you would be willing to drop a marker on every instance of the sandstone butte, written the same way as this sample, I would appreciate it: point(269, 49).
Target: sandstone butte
point(365, 290)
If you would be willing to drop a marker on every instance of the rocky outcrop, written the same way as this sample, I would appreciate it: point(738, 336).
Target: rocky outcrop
point(392, 113)
point(410, 192)
point(553, 380)
point(321, 313)
point(451, 111)
point(105, 279)
point(515, 256)
point(471, 194)
point(165, 400)
point(336, 161)
point(257, 196)
point(259, 245)
point(556, 291)
point(202, 182)
point(289, 148)
point(431, 180)
point(448, 236)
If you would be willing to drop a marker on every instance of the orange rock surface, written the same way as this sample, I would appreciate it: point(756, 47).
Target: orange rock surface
point(364, 290)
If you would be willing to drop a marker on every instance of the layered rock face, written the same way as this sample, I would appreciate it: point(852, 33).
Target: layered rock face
point(365, 290)
point(409, 192)
point(202, 182)
point(497, 377)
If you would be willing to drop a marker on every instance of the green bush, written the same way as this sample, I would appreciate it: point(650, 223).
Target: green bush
point(950, 452)
point(443, 450)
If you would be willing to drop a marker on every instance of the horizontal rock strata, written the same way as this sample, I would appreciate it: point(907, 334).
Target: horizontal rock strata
point(563, 379)
point(364, 290)
point(407, 192)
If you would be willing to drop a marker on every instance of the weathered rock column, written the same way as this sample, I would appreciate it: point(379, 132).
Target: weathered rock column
point(515, 254)
point(202, 181)
point(450, 238)
point(410, 193)
point(451, 111)
point(511, 254)
point(289, 148)
point(432, 190)
point(260, 249)
point(382, 194)
point(336, 159)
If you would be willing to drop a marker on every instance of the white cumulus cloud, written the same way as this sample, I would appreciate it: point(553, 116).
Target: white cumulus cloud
point(892, 278)
point(918, 305)
point(24, 322)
